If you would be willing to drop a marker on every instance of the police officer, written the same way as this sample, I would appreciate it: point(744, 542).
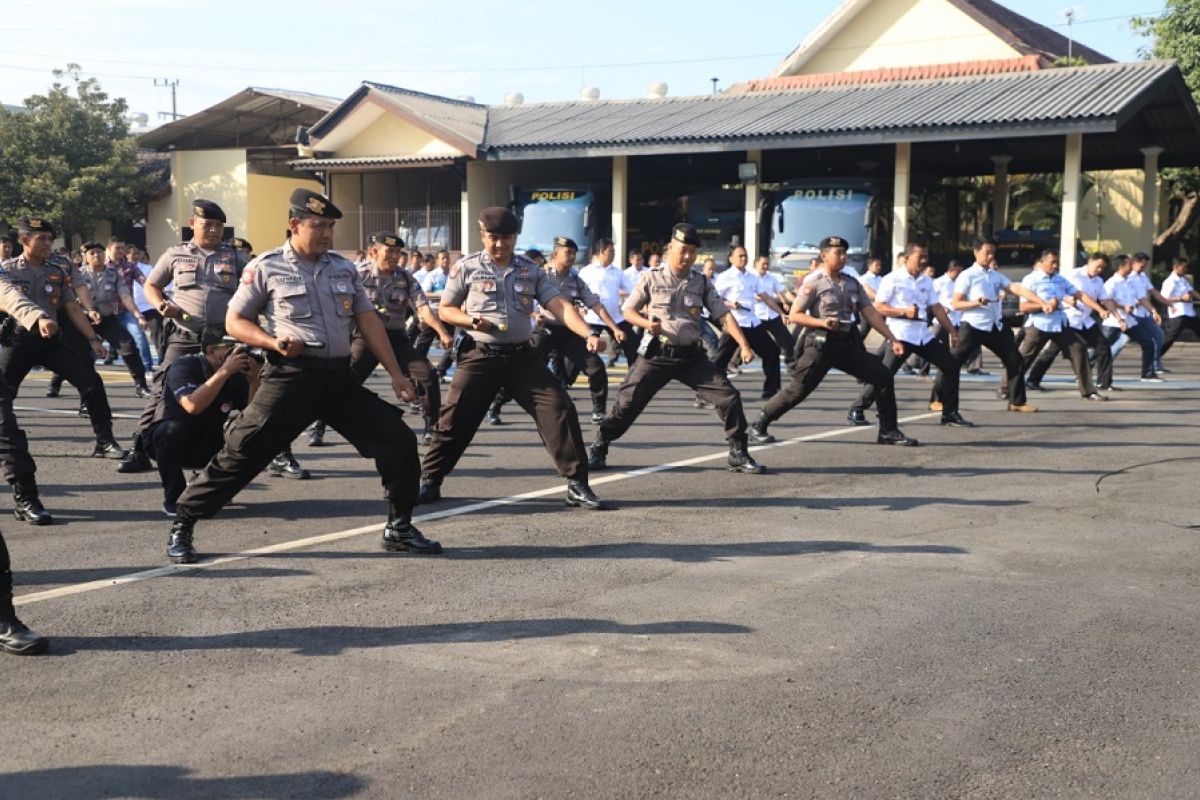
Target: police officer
point(490, 294)
point(111, 295)
point(553, 336)
point(394, 294)
point(205, 273)
point(243, 246)
point(675, 295)
point(48, 285)
point(907, 300)
point(15, 637)
point(827, 306)
point(312, 298)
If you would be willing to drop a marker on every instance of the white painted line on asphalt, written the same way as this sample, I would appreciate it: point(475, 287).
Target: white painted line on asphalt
point(70, 412)
point(325, 538)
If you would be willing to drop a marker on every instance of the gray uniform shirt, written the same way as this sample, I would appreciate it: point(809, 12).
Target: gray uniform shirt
point(393, 296)
point(833, 299)
point(307, 301)
point(203, 284)
point(677, 302)
point(13, 301)
point(48, 286)
point(107, 288)
point(481, 288)
point(573, 289)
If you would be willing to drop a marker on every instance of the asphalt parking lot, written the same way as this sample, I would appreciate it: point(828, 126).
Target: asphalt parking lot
point(1006, 611)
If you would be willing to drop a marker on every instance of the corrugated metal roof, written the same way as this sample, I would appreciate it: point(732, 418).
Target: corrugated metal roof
point(369, 161)
point(466, 120)
point(253, 117)
point(1036, 102)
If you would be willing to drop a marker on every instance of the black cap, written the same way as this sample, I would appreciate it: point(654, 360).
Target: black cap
point(533, 253)
point(90, 246)
point(685, 234)
point(833, 241)
point(240, 243)
point(31, 225)
point(212, 334)
point(499, 220)
point(563, 241)
point(8, 237)
point(307, 203)
point(387, 239)
point(207, 209)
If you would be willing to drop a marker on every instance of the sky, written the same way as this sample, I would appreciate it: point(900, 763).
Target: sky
point(545, 49)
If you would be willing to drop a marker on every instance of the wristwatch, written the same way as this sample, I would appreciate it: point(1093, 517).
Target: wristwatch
point(475, 323)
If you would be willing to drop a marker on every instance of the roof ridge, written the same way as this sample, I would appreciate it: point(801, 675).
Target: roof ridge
point(386, 87)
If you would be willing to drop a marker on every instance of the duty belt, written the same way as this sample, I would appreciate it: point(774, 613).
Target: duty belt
point(678, 350)
point(311, 363)
point(503, 349)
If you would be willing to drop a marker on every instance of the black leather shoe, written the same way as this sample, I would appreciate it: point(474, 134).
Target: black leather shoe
point(141, 390)
point(698, 403)
point(179, 545)
point(758, 433)
point(493, 418)
point(895, 437)
point(598, 457)
point(53, 389)
point(597, 417)
point(83, 411)
point(28, 507)
point(316, 435)
point(136, 461)
point(402, 537)
point(285, 465)
point(429, 492)
point(580, 495)
point(956, 420)
point(1035, 385)
point(1110, 388)
point(18, 640)
point(1095, 397)
point(857, 417)
point(108, 448)
point(740, 460)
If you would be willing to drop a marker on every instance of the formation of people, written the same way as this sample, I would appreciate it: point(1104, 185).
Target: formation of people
point(255, 351)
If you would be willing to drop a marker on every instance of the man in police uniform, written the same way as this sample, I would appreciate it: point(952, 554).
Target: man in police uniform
point(490, 294)
point(312, 298)
point(205, 274)
point(394, 294)
point(111, 296)
point(675, 295)
point(15, 637)
point(243, 246)
point(553, 336)
point(49, 287)
point(827, 307)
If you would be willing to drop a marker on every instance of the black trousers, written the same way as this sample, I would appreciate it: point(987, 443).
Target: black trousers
point(763, 344)
point(1141, 333)
point(783, 339)
point(841, 350)
point(693, 369)
point(154, 331)
point(292, 394)
point(522, 374)
point(16, 465)
point(1001, 343)
point(1067, 339)
point(415, 367)
point(935, 353)
point(564, 347)
point(568, 369)
point(1174, 327)
point(1093, 338)
point(177, 342)
point(30, 350)
point(112, 330)
point(425, 339)
point(176, 446)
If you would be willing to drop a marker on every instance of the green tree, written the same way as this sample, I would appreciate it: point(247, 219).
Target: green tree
point(1175, 34)
point(68, 157)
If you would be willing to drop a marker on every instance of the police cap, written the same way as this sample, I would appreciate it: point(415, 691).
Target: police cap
point(387, 239)
point(685, 234)
point(307, 203)
point(90, 246)
point(833, 241)
point(499, 221)
point(240, 243)
point(533, 253)
point(563, 241)
point(207, 209)
point(28, 226)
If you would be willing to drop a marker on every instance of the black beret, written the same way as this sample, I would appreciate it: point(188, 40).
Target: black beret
point(563, 241)
point(207, 209)
point(686, 234)
point(31, 225)
point(387, 239)
point(211, 335)
point(833, 241)
point(306, 202)
point(499, 220)
point(240, 243)
point(91, 246)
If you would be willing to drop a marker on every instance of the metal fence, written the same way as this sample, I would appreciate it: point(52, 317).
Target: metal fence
point(426, 227)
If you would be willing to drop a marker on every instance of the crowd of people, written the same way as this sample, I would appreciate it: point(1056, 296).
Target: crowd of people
point(250, 352)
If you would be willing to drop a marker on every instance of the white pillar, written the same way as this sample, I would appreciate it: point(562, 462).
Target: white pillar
point(1068, 232)
point(620, 203)
point(1000, 193)
point(1149, 228)
point(900, 200)
point(750, 222)
point(465, 222)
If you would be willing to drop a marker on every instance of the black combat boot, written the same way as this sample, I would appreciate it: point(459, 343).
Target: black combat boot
point(598, 453)
point(739, 459)
point(493, 415)
point(140, 388)
point(107, 447)
point(285, 465)
point(430, 490)
point(55, 386)
point(401, 536)
point(15, 638)
point(316, 434)
point(28, 506)
point(137, 460)
point(580, 495)
point(895, 437)
point(179, 545)
point(758, 431)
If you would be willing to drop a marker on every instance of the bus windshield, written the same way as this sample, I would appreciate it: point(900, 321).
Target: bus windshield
point(547, 214)
point(809, 215)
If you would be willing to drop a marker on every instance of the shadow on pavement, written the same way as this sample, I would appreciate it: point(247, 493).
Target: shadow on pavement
point(45, 577)
point(156, 782)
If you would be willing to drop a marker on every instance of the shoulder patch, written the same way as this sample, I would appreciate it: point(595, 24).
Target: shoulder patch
point(248, 275)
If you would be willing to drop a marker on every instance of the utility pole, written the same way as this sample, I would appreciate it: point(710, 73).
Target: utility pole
point(714, 83)
point(170, 84)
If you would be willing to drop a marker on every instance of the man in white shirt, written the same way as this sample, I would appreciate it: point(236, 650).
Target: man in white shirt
point(610, 283)
point(1082, 320)
point(741, 289)
point(1127, 297)
point(634, 272)
point(772, 285)
point(1180, 295)
point(1147, 316)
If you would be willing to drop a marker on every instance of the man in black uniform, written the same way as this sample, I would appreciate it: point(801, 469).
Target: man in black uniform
point(199, 393)
point(312, 298)
point(676, 295)
point(48, 285)
point(15, 637)
point(490, 294)
point(827, 306)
